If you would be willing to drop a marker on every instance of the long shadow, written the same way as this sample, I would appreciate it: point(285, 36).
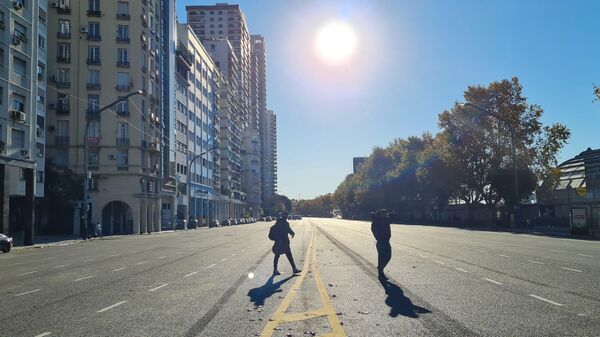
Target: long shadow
point(400, 304)
point(260, 294)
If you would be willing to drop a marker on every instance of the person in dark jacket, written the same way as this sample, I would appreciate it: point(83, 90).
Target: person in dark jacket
point(382, 233)
point(279, 233)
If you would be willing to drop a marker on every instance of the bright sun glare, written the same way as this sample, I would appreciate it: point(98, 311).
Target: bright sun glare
point(336, 42)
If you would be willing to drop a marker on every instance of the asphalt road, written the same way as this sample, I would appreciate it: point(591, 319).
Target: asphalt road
point(217, 282)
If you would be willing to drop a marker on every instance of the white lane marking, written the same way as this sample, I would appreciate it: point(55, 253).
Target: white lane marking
point(62, 265)
point(90, 260)
point(111, 307)
point(494, 282)
point(545, 300)
point(423, 256)
point(234, 254)
point(190, 274)
point(161, 286)
point(119, 269)
point(27, 273)
point(571, 269)
point(503, 255)
point(556, 251)
point(536, 262)
point(212, 265)
point(49, 258)
point(114, 255)
point(72, 254)
point(83, 278)
point(223, 259)
point(483, 251)
point(28, 292)
point(139, 263)
point(463, 270)
point(15, 264)
point(438, 261)
point(162, 257)
point(44, 334)
point(584, 255)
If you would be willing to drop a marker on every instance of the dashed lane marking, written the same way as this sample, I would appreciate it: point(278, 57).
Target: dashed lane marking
point(139, 263)
point(212, 265)
point(111, 307)
point(438, 261)
point(162, 257)
point(536, 262)
point(234, 254)
point(546, 300)
point(28, 292)
point(492, 281)
point(83, 278)
point(15, 264)
point(503, 255)
point(90, 260)
point(44, 334)
point(571, 269)
point(423, 256)
point(223, 259)
point(27, 273)
point(190, 274)
point(160, 286)
point(584, 255)
point(556, 251)
point(119, 269)
point(463, 270)
point(62, 266)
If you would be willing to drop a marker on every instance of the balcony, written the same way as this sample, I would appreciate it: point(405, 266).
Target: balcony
point(124, 87)
point(185, 56)
point(63, 9)
point(63, 84)
point(123, 64)
point(94, 37)
point(93, 86)
point(93, 114)
point(95, 141)
point(93, 61)
point(63, 35)
point(121, 141)
point(123, 39)
point(61, 140)
point(63, 59)
point(94, 13)
point(123, 113)
point(122, 16)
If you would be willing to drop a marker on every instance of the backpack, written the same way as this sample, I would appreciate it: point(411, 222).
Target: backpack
point(273, 233)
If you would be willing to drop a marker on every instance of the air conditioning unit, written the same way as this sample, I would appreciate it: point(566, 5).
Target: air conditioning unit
point(16, 41)
point(25, 153)
point(17, 115)
point(17, 4)
point(54, 5)
point(84, 29)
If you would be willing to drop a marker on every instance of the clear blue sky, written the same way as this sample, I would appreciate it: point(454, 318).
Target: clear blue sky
point(415, 59)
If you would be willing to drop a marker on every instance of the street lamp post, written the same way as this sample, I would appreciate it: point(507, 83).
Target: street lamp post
point(189, 168)
point(514, 153)
point(84, 204)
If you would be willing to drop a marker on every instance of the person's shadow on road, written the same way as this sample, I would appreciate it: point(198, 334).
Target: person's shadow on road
point(260, 294)
point(400, 304)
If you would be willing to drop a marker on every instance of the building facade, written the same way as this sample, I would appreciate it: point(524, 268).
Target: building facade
point(269, 165)
point(197, 129)
point(101, 51)
point(23, 43)
point(232, 124)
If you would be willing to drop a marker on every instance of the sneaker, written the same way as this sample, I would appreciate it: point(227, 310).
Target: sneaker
point(382, 276)
point(276, 272)
point(297, 271)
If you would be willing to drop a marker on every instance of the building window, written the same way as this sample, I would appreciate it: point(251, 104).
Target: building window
point(93, 55)
point(19, 66)
point(61, 157)
point(64, 29)
point(123, 107)
point(41, 95)
point(123, 82)
point(63, 103)
point(122, 57)
point(93, 5)
point(41, 42)
point(64, 76)
point(93, 103)
point(122, 9)
point(41, 70)
point(18, 102)
point(94, 77)
point(63, 53)
point(123, 33)
point(93, 31)
point(39, 175)
point(92, 159)
point(42, 16)
point(122, 158)
point(18, 138)
point(62, 132)
point(20, 32)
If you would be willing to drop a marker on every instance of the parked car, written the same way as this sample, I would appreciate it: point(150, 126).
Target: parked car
point(226, 223)
point(214, 223)
point(193, 223)
point(6, 243)
point(233, 222)
point(180, 224)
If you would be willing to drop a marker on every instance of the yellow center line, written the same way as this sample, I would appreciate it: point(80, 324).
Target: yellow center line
point(280, 316)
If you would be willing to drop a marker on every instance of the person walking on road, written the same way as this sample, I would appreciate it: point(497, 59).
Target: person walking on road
point(279, 233)
point(382, 233)
point(98, 229)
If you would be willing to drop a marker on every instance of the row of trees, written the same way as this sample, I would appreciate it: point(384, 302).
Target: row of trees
point(469, 161)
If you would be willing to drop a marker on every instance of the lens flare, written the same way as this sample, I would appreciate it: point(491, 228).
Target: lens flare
point(336, 42)
point(250, 275)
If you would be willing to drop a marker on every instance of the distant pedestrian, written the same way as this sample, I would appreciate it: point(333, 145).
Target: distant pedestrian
point(98, 229)
point(279, 233)
point(382, 233)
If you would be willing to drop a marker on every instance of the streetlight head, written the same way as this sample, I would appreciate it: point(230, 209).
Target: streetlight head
point(140, 92)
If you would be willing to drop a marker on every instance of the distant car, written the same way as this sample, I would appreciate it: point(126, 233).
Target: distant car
point(6, 243)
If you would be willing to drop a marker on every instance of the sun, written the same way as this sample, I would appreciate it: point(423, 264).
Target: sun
point(336, 42)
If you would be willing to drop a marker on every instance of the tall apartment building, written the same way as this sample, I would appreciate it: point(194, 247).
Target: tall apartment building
point(232, 196)
point(197, 128)
point(103, 50)
point(270, 155)
point(23, 46)
point(225, 21)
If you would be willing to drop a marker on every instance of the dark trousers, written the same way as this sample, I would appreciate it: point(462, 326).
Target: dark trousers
point(290, 258)
point(384, 252)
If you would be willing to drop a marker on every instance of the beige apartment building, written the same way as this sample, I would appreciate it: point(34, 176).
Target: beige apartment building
point(23, 44)
point(100, 51)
